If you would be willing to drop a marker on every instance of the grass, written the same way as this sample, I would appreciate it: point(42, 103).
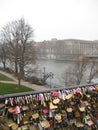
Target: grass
point(12, 88)
point(4, 78)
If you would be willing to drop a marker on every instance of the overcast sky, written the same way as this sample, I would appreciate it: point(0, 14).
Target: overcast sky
point(61, 19)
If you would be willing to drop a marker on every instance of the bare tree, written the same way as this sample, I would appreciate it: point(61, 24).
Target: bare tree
point(76, 73)
point(18, 37)
point(93, 67)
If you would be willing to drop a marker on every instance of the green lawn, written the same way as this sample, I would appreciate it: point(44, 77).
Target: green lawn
point(12, 88)
point(3, 77)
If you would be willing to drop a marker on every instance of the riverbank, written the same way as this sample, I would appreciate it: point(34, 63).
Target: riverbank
point(24, 83)
point(44, 59)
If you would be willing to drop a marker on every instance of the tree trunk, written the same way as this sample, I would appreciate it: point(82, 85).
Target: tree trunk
point(16, 68)
point(4, 66)
point(19, 82)
point(19, 79)
point(91, 75)
point(21, 68)
point(22, 72)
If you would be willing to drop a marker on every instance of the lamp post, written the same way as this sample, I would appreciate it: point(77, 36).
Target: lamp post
point(47, 75)
point(44, 74)
point(51, 77)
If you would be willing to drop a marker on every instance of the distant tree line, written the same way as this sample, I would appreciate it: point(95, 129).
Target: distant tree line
point(17, 47)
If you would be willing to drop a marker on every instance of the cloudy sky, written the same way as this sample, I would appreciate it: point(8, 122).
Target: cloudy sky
point(61, 19)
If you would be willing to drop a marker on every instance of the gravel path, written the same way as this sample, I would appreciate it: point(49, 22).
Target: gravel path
point(24, 83)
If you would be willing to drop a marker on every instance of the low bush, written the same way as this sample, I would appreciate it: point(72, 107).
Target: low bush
point(8, 70)
point(35, 80)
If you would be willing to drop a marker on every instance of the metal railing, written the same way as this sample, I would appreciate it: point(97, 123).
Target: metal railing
point(3, 97)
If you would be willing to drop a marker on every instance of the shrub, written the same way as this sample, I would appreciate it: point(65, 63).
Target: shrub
point(8, 70)
point(34, 80)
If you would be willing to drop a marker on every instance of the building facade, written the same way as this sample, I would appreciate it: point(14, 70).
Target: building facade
point(65, 49)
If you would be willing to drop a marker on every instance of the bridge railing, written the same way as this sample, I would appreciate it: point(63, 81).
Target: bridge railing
point(53, 109)
point(3, 97)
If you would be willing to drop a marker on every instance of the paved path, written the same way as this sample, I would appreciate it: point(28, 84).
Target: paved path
point(24, 83)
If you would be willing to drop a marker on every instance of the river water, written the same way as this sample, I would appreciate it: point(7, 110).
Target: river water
point(58, 68)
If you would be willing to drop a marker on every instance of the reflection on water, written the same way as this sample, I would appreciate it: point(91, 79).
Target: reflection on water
point(58, 68)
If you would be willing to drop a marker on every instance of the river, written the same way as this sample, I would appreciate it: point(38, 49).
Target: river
point(58, 68)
